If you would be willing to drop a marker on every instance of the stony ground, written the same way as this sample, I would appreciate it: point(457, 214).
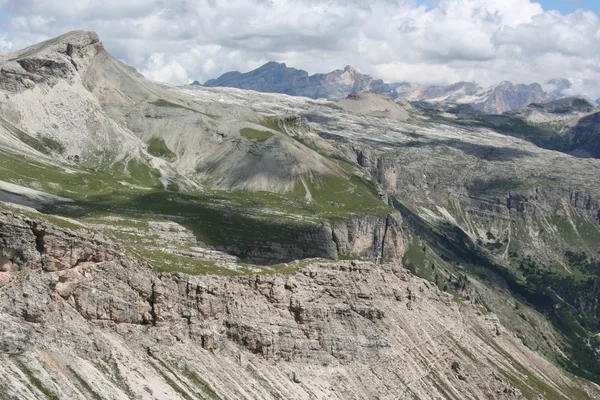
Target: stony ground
point(81, 321)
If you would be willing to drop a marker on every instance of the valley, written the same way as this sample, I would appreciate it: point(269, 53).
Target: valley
point(168, 241)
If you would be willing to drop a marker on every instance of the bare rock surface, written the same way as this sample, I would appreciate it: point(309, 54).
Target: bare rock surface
point(105, 326)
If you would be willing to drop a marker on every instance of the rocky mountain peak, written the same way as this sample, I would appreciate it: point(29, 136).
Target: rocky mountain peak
point(69, 44)
point(505, 84)
point(50, 61)
point(274, 77)
point(272, 65)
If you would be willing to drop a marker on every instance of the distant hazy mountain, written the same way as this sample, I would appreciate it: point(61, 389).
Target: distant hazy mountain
point(276, 77)
point(496, 99)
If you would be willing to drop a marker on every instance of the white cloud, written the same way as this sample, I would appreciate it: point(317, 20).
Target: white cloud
point(162, 68)
point(477, 40)
point(5, 45)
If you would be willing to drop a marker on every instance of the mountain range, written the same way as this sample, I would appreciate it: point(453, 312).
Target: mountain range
point(201, 242)
point(276, 77)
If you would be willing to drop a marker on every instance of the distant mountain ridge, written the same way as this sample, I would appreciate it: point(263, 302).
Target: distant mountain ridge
point(276, 77)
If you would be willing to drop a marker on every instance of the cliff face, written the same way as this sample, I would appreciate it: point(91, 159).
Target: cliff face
point(508, 96)
point(583, 139)
point(80, 320)
point(50, 62)
point(378, 238)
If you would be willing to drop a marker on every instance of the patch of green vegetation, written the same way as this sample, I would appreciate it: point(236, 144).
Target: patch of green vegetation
point(423, 262)
point(253, 134)
point(53, 145)
point(79, 183)
point(495, 186)
point(581, 103)
point(60, 222)
point(346, 165)
point(414, 257)
point(339, 197)
point(256, 374)
point(527, 383)
point(86, 386)
point(565, 229)
point(142, 174)
point(43, 144)
point(205, 387)
point(158, 148)
point(32, 142)
point(331, 105)
point(168, 104)
point(546, 135)
point(114, 374)
point(178, 389)
point(239, 222)
point(272, 123)
point(350, 257)
point(36, 382)
point(166, 262)
point(217, 218)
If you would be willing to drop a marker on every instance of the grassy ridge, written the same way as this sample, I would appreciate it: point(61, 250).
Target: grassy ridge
point(253, 134)
point(158, 148)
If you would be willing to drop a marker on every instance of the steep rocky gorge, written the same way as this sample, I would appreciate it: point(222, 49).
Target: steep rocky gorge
point(80, 319)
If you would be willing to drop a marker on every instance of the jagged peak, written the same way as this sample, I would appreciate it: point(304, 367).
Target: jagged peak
point(61, 44)
point(272, 64)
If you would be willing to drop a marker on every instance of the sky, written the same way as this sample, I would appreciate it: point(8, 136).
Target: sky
point(418, 41)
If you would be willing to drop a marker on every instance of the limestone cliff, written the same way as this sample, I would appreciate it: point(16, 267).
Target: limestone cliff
point(80, 320)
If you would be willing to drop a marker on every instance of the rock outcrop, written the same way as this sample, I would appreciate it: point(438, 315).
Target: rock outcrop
point(583, 139)
point(508, 96)
point(111, 327)
point(379, 238)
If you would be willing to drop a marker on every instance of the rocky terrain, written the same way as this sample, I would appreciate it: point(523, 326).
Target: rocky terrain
point(198, 242)
point(566, 125)
point(276, 77)
point(79, 320)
